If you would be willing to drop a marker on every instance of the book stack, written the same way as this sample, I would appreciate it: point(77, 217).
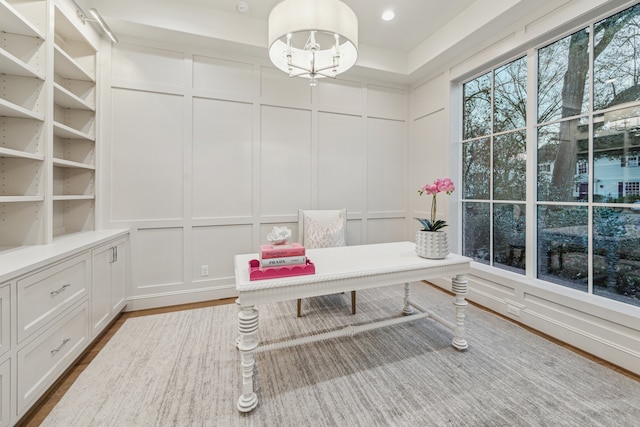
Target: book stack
point(279, 255)
point(280, 261)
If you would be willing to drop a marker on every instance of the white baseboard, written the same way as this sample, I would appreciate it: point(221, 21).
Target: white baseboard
point(190, 296)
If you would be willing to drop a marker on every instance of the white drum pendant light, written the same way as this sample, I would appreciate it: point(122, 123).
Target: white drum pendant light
point(313, 38)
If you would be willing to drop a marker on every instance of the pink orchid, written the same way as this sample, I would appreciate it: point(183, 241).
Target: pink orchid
point(440, 185)
point(445, 184)
point(429, 189)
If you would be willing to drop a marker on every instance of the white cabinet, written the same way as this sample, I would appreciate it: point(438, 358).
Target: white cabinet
point(47, 296)
point(119, 274)
point(52, 324)
point(41, 361)
point(108, 283)
point(42, 296)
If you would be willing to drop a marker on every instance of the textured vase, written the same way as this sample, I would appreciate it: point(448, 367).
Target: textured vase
point(432, 244)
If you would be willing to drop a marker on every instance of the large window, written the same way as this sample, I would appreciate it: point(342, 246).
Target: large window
point(494, 166)
point(586, 132)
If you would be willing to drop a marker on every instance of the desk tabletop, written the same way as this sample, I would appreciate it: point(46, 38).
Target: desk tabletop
point(352, 262)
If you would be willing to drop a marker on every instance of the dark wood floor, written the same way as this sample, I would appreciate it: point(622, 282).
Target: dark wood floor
point(42, 408)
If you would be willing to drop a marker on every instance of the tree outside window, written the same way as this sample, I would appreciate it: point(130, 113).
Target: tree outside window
point(494, 166)
point(587, 129)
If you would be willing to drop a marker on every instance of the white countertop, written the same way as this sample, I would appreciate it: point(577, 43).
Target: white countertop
point(18, 261)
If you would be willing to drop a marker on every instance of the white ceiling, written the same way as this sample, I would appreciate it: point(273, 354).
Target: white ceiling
point(415, 21)
point(425, 36)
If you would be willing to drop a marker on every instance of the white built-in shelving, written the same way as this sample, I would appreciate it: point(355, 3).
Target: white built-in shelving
point(18, 17)
point(15, 67)
point(74, 112)
point(23, 110)
point(47, 122)
point(67, 99)
point(9, 109)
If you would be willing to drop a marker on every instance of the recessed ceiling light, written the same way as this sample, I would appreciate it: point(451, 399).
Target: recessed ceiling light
point(242, 6)
point(388, 15)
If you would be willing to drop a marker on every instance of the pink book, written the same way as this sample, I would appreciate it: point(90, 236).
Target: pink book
point(280, 251)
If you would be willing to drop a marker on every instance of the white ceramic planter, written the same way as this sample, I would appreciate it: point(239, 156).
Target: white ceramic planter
point(432, 244)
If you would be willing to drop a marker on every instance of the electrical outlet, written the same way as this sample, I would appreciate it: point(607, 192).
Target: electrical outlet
point(204, 271)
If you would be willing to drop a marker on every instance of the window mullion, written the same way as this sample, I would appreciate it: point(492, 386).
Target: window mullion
point(491, 168)
point(590, 175)
point(531, 179)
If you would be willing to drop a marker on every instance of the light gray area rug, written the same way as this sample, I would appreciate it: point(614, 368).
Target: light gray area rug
point(182, 369)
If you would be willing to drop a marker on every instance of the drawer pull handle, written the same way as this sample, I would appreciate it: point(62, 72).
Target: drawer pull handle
point(56, 292)
point(64, 341)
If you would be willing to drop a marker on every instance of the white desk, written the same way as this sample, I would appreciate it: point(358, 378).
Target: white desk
point(340, 270)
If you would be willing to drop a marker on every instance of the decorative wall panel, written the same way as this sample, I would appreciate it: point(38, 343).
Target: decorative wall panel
point(158, 253)
point(340, 94)
point(429, 160)
point(146, 171)
point(342, 169)
point(386, 189)
point(285, 159)
point(147, 65)
point(430, 97)
point(215, 248)
point(219, 75)
point(386, 102)
point(222, 143)
point(276, 85)
point(385, 230)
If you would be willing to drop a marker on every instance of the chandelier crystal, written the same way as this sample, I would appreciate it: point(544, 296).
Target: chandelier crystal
point(313, 38)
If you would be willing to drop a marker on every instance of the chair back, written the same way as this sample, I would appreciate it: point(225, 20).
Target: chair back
point(322, 228)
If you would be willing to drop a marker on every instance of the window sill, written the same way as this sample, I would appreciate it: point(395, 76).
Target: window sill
point(525, 288)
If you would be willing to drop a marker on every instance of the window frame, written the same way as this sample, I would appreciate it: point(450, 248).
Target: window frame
point(531, 202)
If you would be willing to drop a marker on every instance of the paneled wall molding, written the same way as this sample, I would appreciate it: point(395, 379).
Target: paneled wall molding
point(148, 87)
point(203, 222)
point(232, 147)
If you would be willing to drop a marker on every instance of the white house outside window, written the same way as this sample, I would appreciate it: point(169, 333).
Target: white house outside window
point(582, 167)
point(632, 188)
point(587, 137)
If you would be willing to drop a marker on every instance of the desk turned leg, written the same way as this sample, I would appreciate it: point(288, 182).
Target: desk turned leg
point(459, 288)
point(407, 309)
point(247, 343)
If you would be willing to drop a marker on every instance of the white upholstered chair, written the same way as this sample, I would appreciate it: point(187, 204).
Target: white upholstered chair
point(323, 229)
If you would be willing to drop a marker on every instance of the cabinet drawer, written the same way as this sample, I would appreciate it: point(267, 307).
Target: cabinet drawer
point(47, 293)
point(42, 361)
